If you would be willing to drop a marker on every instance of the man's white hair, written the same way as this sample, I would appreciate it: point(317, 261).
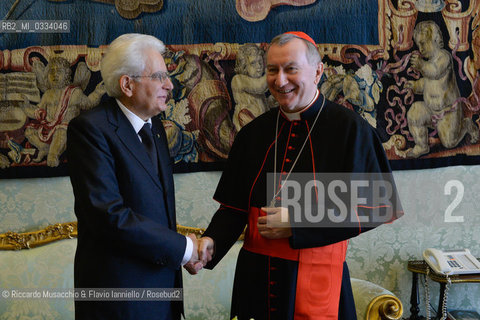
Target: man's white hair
point(126, 56)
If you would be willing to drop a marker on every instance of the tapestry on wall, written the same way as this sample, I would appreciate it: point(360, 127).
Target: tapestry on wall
point(409, 68)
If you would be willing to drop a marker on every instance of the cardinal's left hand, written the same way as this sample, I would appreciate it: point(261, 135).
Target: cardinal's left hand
point(275, 225)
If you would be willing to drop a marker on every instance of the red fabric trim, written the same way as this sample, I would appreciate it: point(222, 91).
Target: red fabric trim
point(311, 104)
point(283, 115)
point(254, 242)
point(227, 206)
point(268, 290)
point(320, 270)
point(366, 207)
point(301, 111)
point(397, 216)
point(319, 282)
point(285, 154)
point(263, 164)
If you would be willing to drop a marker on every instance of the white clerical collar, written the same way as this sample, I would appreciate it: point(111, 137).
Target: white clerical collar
point(297, 115)
point(136, 121)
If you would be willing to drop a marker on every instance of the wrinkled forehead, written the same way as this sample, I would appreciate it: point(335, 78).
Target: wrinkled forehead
point(154, 61)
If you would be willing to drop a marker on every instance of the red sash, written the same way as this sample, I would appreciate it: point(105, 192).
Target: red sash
point(320, 270)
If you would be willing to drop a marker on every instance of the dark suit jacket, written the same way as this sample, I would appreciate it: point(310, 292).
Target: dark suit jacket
point(126, 214)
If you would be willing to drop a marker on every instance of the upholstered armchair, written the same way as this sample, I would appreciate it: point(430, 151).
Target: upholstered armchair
point(375, 302)
point(206, 295)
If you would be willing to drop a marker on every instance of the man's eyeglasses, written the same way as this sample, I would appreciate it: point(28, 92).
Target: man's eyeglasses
point(159, 76)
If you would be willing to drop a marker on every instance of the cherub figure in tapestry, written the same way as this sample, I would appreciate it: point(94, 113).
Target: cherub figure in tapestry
point(361, 89)
point(441, 108)
point(249, 85)
point(209, 104)
point(181, 142)
point(62, 101)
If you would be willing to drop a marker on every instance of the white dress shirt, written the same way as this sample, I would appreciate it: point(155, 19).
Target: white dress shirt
point(137, 124)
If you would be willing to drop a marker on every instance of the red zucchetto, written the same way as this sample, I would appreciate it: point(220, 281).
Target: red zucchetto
point(302, 35)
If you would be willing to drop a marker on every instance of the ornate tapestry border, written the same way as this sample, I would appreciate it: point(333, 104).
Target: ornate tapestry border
point(18, 59)
point(388, 18)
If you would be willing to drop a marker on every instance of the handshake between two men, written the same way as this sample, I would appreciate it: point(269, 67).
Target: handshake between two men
point(202, 253)
point(275, 225)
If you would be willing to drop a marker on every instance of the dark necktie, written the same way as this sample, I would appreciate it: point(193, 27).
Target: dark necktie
point(147, 139)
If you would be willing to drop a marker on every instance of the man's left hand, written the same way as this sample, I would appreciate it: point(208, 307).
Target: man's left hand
point(275, 225)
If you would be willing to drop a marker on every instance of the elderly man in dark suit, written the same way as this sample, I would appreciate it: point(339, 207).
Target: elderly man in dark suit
point(121, 175)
